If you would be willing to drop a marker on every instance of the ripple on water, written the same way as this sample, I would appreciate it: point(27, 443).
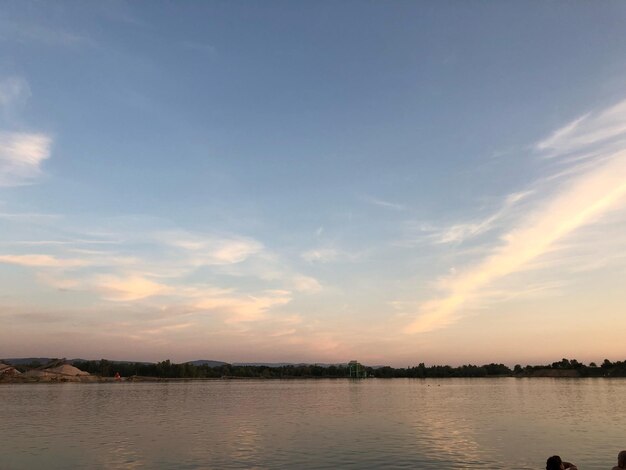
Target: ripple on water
point(465, 423)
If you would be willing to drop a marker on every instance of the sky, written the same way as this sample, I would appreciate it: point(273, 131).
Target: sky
point(393, 182)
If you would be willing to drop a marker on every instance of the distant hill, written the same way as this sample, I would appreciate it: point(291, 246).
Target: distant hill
point(284, 364)
point(72, 361)
point(206, 362)
point(294, 364)
point(199, 362)
point(19, 361)
point(265, 364)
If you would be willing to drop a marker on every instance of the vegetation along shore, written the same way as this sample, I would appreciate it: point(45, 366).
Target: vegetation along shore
point(54, 370)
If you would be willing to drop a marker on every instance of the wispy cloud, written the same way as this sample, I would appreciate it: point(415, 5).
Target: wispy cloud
point(230, 279)
point(579, 201)
point(320, 255)
point(21, 156)
point(166, 329)
point(29, 217)
point(285, 332)
point(12, 90)
point(244, 308)
point(211, 250)
point(384, 204)
point(458, 233)
point(21, 153)
point(42, 261)
point(55, 281)
point(129, 288)
point(86, 258)
point(27, 32)
point(607, 126)
point(306, 284)
point(69, 242)
point(232, 251)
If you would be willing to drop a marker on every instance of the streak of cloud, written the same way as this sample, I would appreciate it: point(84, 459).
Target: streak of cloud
point(28, 32)
point(306, 284)
point(320, 255)
point(244, 308)
point(129, 288)
point(42, 261)
point(384, 204)
point(458, 233)
point(583, 134)
point(211, 250)
point(581, 200)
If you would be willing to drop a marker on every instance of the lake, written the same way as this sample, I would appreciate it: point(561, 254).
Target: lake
point(503, 423)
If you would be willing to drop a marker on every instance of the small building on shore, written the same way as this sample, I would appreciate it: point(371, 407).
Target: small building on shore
point(356, 370)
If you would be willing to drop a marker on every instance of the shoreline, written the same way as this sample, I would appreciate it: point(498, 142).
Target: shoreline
point(139, 379)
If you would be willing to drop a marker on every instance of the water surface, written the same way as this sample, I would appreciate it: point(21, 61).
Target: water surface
point(401, 423)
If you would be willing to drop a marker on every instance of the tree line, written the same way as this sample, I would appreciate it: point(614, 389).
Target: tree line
point(168, 369)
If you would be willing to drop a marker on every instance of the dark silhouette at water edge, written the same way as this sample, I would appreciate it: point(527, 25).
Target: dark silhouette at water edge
point(215, 369)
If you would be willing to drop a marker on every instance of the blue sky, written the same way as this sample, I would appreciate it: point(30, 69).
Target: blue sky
point(397, 182)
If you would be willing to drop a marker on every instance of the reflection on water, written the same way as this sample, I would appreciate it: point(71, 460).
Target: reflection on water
point(401, 423)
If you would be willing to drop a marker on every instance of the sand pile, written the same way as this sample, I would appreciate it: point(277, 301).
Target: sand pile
point(63, 372)
point(6, 369)
point(67, 369)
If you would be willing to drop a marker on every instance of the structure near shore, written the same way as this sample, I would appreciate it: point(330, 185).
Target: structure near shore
point(356, 370)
